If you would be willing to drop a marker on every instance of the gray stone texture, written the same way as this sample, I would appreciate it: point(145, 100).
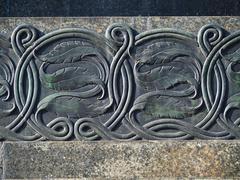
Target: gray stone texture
point(122, 160)
point(99, 24)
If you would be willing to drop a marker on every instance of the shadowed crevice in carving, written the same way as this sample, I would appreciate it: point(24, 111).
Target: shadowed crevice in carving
point(75, 84)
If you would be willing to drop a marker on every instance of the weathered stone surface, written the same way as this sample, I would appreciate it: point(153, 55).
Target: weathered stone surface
point(126, 160)
point(99, 24)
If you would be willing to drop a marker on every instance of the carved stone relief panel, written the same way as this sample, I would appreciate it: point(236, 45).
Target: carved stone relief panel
point(75, 84)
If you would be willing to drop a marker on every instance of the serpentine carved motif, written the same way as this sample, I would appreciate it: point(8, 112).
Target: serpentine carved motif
point(75, 84)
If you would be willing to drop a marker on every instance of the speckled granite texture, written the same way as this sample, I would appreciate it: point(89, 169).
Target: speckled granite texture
point(123, 160)
point(99, 24)
point(120, 160)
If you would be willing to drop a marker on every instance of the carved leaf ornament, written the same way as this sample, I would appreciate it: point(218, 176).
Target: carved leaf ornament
point(75, 84)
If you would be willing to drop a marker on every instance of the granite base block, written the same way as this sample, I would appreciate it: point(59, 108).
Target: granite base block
point(121, 160)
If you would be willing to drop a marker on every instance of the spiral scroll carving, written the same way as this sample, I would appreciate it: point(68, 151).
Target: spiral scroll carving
point(76, 84)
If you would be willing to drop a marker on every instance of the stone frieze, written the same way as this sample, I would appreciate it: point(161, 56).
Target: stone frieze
point(76, 84)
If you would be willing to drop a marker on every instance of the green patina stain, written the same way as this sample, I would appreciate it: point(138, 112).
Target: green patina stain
point(49, 85)
point(160, 111)
point(67, 106)
point(235, 98)
point(236, 78)
point(179, 109)
point(50, 78)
